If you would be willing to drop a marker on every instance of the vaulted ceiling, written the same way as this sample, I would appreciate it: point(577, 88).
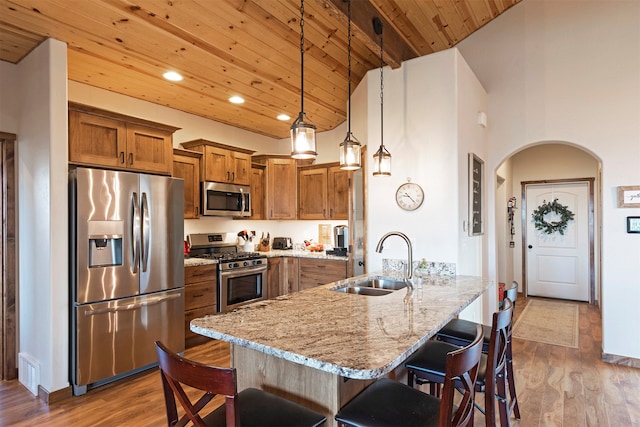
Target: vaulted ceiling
point(249, 48)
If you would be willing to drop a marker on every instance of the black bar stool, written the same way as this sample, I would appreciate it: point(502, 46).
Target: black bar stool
point(250, 407)
point(427, 366)
point(387, 403)
point(461, 332)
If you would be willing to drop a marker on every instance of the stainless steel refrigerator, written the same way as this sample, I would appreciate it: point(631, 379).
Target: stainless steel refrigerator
point(127, 272)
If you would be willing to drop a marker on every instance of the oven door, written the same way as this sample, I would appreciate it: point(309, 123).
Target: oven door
point(242, 286)
point(220, 199)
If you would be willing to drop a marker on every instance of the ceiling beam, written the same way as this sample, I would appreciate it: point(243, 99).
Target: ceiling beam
point(396, 50)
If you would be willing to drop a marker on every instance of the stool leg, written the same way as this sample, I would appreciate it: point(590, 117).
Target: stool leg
point(511, 381)
point(501, 386)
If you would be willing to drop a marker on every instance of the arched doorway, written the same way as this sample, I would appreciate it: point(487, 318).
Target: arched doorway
point(539, 162)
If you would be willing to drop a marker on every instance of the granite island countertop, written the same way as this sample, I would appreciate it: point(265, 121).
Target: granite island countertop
point(354, 336)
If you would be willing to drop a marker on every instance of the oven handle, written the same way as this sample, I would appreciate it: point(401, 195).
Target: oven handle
point(244, 271)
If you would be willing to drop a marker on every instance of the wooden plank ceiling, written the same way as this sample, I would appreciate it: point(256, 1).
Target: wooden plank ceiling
point(249, 48)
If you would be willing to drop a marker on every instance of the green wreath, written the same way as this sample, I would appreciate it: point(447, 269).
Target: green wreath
point(551, 227)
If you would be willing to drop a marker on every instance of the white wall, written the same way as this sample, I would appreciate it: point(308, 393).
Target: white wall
point(42, 200)
point(10, 97)
point(430, 125)
point(568, 71)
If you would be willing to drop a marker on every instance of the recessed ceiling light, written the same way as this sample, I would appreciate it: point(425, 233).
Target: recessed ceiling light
point(236, 100)
point(283, 117)
point(173, 76)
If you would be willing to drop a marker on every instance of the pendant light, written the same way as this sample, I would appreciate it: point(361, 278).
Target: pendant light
point(303, 134)
point(382, 157)
point(350, 147)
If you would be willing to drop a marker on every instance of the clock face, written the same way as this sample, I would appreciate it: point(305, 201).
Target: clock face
point(409, 196)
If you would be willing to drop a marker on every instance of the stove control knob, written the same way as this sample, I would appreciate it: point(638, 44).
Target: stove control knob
point(246, 263)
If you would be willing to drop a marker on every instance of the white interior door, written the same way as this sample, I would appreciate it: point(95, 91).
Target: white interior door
point(557, 265)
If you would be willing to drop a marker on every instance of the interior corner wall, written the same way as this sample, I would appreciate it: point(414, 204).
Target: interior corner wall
point(537, 63)
point(42, 202)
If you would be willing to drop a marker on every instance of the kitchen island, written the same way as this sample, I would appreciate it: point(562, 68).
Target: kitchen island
point(320, 347)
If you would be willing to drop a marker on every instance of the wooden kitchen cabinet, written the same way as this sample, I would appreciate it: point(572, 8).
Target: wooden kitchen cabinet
point(200, 295)
point(257, 191)
point(282, 276)
point(106, 139)
point(323, 192)
point(314, 272)
point(281, 187)
point(186, 165)
point(222, 163)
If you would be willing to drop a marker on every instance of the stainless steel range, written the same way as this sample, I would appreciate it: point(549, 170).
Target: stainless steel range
point(241, 276)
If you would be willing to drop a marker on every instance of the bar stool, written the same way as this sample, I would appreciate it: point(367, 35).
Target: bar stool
point(427, 366)
point(250, 407)
point(387, 403)
point(461, 332)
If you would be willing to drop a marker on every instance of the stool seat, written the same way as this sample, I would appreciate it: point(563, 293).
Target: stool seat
point(259, 408)
point(461, 332)
point(431, 358)
point(390, 403)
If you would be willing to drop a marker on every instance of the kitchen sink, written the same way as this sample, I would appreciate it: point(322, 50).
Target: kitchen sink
point(372, 286)
point(359, 290)
point(390, 284)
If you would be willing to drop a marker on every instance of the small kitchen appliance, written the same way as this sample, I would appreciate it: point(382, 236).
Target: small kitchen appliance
point(341, 237)
point(241, 276)
point(282, 243)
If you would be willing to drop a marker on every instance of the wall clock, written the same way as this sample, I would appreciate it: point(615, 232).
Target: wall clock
point(409, 196)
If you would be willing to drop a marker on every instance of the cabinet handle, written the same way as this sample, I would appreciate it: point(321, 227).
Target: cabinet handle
point(233, 176)
point(331, 213)
point(198, 296)
point(324, 213)
point(196, 209)
point(228, 176)
point(122, 157)
point(130, 159)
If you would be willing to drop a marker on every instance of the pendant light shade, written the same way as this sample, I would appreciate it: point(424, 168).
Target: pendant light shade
point(303, 134)
point(382, 157)
point(350, 147)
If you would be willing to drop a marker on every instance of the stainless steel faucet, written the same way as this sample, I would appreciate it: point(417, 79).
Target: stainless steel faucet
point(409, 271)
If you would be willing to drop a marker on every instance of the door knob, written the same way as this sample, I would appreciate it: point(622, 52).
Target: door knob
point(530, 247)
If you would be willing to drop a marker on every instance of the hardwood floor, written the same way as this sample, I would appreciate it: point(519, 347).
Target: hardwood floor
point(557, 386)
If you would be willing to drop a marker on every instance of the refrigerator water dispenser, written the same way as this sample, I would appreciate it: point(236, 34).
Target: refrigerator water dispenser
point(105, 252)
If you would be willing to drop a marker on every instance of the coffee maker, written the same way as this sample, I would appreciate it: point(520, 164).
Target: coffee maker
point(341, 238)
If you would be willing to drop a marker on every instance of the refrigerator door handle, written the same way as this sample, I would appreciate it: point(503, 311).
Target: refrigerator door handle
point(146, 232)
point(133, 306)
point(135, 233)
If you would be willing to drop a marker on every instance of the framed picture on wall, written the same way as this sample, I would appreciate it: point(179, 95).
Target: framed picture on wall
point(633, 224)
point(476, 187)
point(629, 196)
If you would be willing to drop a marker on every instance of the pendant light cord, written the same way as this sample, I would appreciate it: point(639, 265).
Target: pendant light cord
point(349, 67)
point(381, 90)
point(301, 58)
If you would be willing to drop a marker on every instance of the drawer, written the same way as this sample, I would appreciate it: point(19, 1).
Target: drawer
point(200, 273)
point(315, 272)
point(200, 295)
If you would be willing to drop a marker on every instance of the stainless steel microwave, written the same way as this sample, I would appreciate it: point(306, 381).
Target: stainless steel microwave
point(219, 199)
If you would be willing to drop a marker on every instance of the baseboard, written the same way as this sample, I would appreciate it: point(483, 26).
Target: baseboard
point(56, 396)
point(621, 360)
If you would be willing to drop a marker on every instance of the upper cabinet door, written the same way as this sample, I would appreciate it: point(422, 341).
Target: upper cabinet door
point(312, 193)
point(338, 197)
point(240, 168)
point(148, 149)
point(215, 164)
point(282, 187)
point(95, 140)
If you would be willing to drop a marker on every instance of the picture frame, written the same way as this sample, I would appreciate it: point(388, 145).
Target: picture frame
point(629, 196)
point(633, 224)
point(475, 226)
